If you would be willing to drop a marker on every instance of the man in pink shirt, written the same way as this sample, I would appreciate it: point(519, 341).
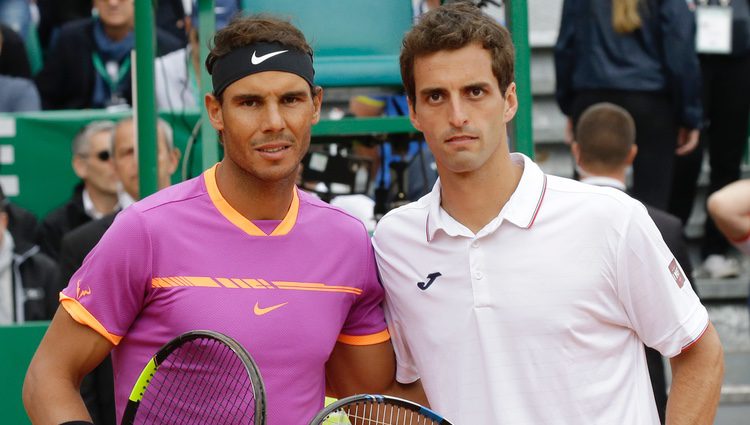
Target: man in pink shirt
point(239, 250)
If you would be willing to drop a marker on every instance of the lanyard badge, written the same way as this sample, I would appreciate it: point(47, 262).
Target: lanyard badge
point(713, 28)
point(112, 74)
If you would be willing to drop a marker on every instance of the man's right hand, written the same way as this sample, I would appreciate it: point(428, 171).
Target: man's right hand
point(687, 140)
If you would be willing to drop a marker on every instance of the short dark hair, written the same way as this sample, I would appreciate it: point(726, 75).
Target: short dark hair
point(452, 27)
point(605, 134)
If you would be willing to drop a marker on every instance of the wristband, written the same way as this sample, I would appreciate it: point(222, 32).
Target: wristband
point(77, 423)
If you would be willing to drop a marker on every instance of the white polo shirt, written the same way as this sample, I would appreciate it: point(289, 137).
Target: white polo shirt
point(539, 318)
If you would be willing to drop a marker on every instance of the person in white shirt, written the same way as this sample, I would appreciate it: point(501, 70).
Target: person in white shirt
point(517, 297)
point(604, 149)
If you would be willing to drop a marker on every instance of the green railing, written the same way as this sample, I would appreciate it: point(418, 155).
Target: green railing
point(19, 345)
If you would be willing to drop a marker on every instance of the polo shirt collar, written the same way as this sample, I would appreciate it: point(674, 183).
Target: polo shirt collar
point(520, 210)
point(604, 181)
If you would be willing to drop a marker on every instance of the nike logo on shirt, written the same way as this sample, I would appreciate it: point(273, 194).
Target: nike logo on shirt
point(261, 311)
point(257, 60)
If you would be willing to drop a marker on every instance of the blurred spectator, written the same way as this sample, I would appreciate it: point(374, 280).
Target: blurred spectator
point(126, 159)
point(178, 73)
point(54, 13)
point(641, 56)
point(89, 66)
point(14, 62)
point(97, 388)
point(17, 15)
point(726, 102)
point(28, 278)
point(730, 209)
point(22, 223)
point(169, 16)
point(94, 197)
point(604, 148)
point(17, 94)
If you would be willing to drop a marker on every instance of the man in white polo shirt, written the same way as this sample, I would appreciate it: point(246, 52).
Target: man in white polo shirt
point(517, 297)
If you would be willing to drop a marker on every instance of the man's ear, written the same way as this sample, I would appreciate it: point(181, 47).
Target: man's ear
point(317, 103)
point(215, 114)
point(79, 166)
point(3, 222)
point(174, 160)
point(631, 155)
point(575, 149)
point(511, 102)
point(413, 114)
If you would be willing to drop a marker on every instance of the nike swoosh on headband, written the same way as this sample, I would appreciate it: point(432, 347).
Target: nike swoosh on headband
point(256, 60)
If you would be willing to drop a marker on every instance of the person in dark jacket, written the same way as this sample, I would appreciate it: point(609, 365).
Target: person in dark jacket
point(22, 223)
point(96, 194)
point(28, 278)
point(640, 55)
point(54, 14)
point(604, 148)
point(14, 61)
point(89, 66)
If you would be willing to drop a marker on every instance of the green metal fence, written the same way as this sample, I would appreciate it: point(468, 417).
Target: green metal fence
point(19, 344)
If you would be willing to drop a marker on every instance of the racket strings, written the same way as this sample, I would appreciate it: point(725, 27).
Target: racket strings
point(201, 382)
point(376, 413)
point(165, 383)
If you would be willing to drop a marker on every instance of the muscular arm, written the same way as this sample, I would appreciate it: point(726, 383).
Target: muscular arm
point(67, 352)
point(697, 374)
point(358, 369)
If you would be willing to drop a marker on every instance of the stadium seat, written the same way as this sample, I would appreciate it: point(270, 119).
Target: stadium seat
point(356, 42)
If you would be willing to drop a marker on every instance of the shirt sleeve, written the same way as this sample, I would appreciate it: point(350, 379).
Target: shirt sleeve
point(654, 290)
point(406, 372)
point(365, 323)
point(107, 293)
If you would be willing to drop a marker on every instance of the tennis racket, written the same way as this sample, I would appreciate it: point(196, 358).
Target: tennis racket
point(200, 377)
point(366, 409)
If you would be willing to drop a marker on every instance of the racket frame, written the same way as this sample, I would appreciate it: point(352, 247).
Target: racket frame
point(144, 379)
point(320, 418)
